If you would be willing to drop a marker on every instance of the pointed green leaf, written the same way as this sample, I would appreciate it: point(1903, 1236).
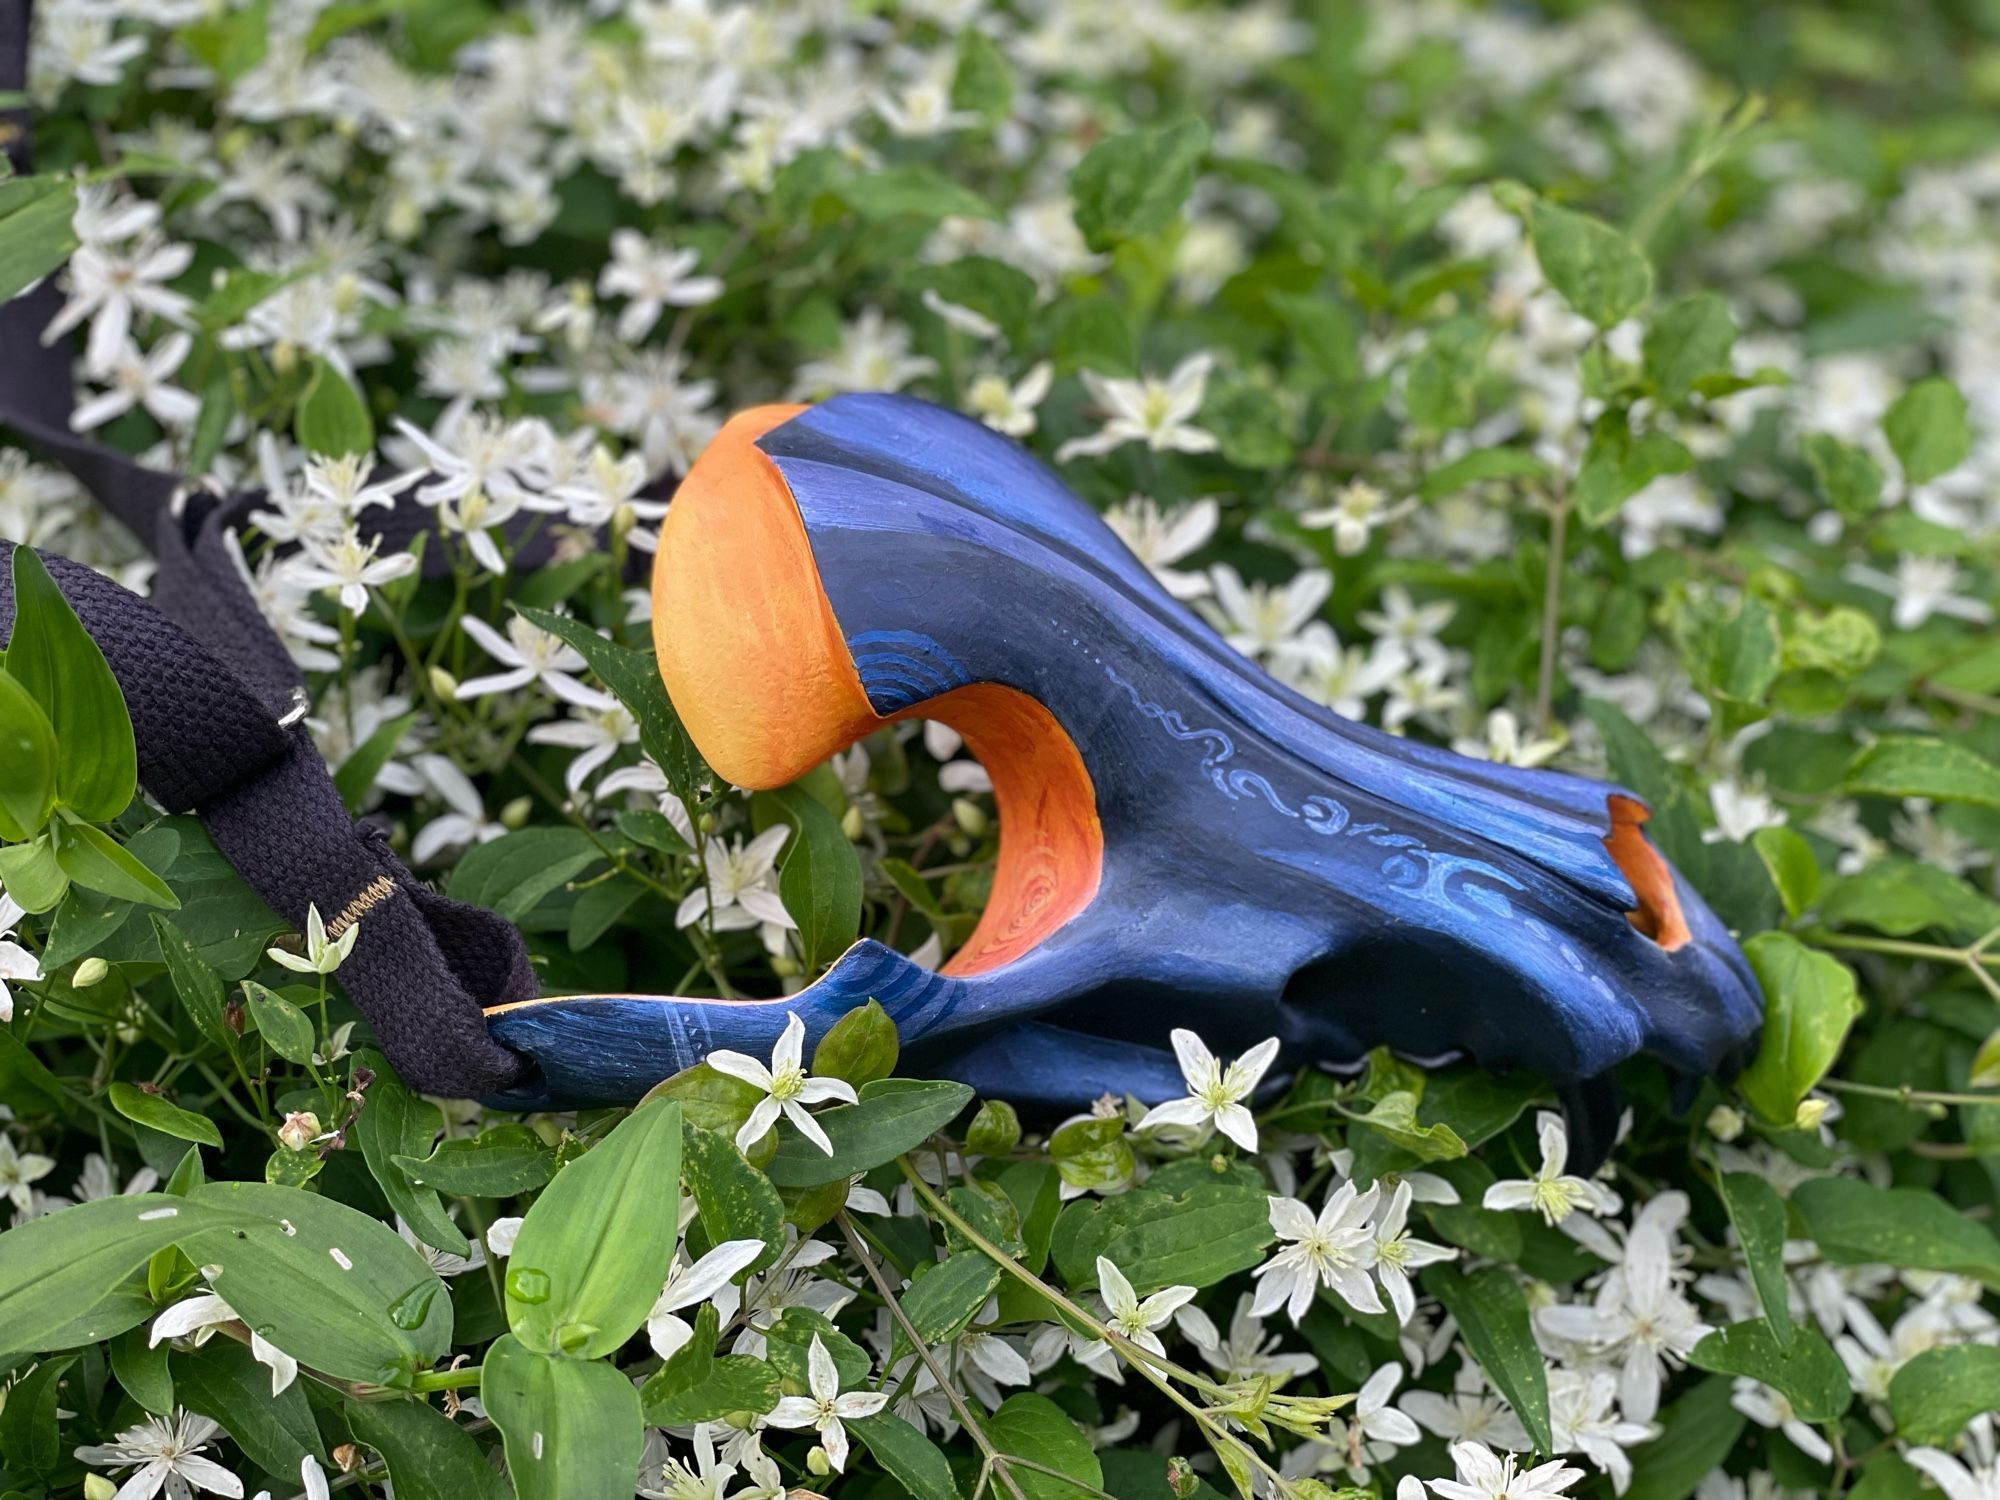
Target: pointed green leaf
point(155, 1113)
point(328, 1284)
point(1808, 1374)
point(594, 1251)
point(572, 1427)
point(1492, 1314)
point(27, 762)
point(1758, 1215)
point(54, 658)
point(96, 861)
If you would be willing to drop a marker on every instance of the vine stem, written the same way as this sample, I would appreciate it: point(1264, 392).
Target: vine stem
point(1903, 1094)
point(1977, 956)
point(1139, 1359)
point(993, 1457)
point(1545, 674)
point(465, 1377)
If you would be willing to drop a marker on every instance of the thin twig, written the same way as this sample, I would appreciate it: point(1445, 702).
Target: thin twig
point(993, 1455)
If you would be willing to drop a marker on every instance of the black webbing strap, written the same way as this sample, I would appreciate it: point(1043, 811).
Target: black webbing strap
point(215, 702)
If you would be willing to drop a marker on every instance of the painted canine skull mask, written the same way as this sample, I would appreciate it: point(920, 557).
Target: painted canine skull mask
point(1184, 841)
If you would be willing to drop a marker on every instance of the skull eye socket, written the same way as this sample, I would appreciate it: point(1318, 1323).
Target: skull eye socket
point(1658, 913)
point(1051, 844)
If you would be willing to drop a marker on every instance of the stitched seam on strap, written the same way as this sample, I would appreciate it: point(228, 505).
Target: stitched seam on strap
point(378, 890)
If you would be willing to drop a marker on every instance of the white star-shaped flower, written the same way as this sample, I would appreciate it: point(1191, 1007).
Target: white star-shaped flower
point(1215, 1093)
point(787, 1088)
point(1337, 1248)
point(826, 1407)
point(1550, 1192)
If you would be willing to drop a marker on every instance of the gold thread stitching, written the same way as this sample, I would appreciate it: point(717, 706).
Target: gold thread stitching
point(378, 890)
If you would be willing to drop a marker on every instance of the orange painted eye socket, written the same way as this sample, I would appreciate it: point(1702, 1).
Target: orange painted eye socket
point(1658, 913)
point(760, 672)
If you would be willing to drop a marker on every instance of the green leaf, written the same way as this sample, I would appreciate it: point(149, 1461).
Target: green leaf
point(1793, 869)
point(430, 1457)
point(25, 1080)
point(1888, 1476)
point(697, 1386)
point(1900, 897)
point(1809, 1004)
point(982, 82)
point(1599, 271)
point(1092, 1154)
point(1843, 473)
point(1091, 332)
point(1483, 1231)
point(230, 42)
point(198, 986)
point(654, 831)
point(1034, 1428)
point(1928, 430)
point(1134, 184)
point(995, 1130)
point(30, 1426)
point(1758, 1214)
point(735, 1200)
point(27, 761)
point(1195, 1237)
point(991, 288)
point(906, 1456)
point(142, 1370)
point(788, 1346)
point(1688, 340)
point(1697, 1433)
point(1856, 1224)
point(222, 1380)
point(572, 1427)
point(943, 1301)
point(1618, 463)
point(284, 1027)
point(96, 861)
point(594, 1251)
point(225, 920)
point(1492, 1315)
point(497, 1163)
point(1748, 655)
point(1808, 1374)
point(240, 289)
point(155, 1113)
point(1394, 1115)
point(1324, 333)
point(327, 1283)
point(54, 658)
point(913, 192)
point(1441, 381)
point(1937, 769)
point(714, 1101)
point(1842, 641)
point(395, 1123)
point(515, 871)
point(1940, 1390)
point(860, 1047)
point(599, 908)
point(634, 680)
point(36, 233)
point(989, 1209)
point(819, 878)
point(32, 875)
point(57, 1266)
point(332, 419)
point(356, 777)
point(1480, 466)
point(894, 1115)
